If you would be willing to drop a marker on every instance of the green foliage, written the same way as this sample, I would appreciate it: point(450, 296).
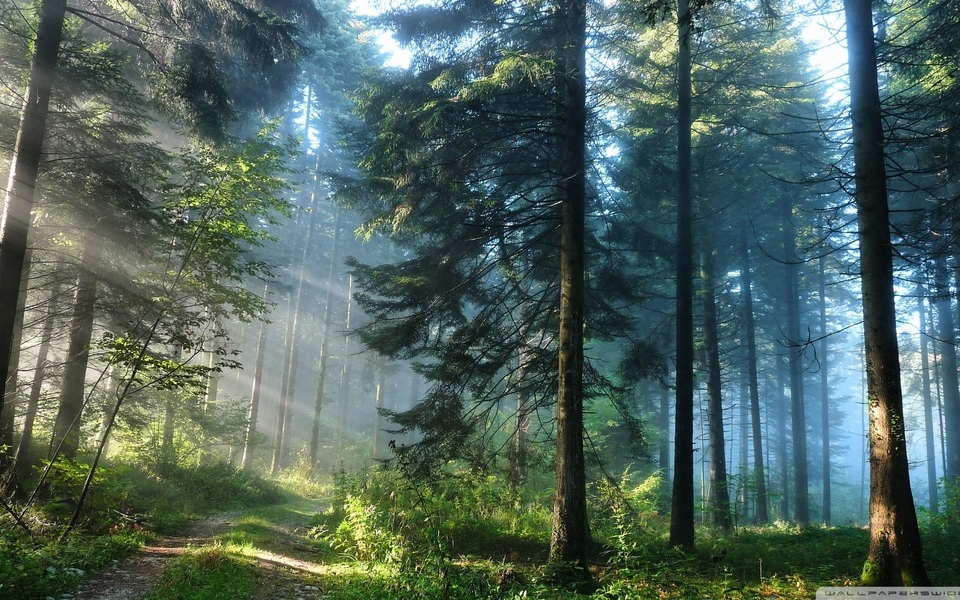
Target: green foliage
point(208, 573)
point(940, 532)
point(126, 505)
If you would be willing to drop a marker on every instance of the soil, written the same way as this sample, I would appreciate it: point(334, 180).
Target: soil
point(285, 571)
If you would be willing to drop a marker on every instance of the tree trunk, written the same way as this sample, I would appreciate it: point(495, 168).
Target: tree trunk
point(932, 487)
point(66, 434)
point(824, 393)
point(948, 362)
point(571, 535)
point(253, 414)
point(895, 556)
point(25, 458)
point(762, 514)
point(325, 341)
point(22, 184)
point(782, 437)
point(343, 394)
point(11, 387)
point(381, 393)
point(681, 505)
point(283, 401)
point(798, 422)
point(719, 494)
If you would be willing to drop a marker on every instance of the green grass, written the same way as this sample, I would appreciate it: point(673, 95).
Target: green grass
point(207, 573)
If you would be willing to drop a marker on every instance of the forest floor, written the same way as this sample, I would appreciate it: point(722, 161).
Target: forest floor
point(283, 569)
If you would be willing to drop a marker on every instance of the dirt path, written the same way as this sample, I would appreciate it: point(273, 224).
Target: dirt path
point(285, 571)
point(134, 576)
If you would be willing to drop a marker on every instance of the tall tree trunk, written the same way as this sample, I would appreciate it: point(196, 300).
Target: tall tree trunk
point(253, 414)
point(664, 461)
point(66, 434)
point(782, 437)
point(948, 362)
point(762, 514)
point(895, 556)
point(283, 405)
point(25, 458)
point(719, 494)
point(22, 184)
point(681, 505)
point(380, 399)
point(327, 334)
point(517, 475)
point(571, 535)
point(11, 387)
point(798, 421)
point(343, 393)
point(824, 393)
point(927, 404)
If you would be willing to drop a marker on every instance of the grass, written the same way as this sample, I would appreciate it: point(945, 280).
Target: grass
point(376, 537)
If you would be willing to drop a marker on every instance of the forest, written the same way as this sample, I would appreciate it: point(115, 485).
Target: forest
point(497, 299)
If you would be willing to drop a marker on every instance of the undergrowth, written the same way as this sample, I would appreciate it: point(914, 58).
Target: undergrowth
point(126, 506)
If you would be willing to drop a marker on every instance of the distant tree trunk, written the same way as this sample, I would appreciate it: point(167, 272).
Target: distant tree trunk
point(681, 505)
point(517, 476)
point(66, 434)
point(782, 437)
point(380, 399)
point(664, 461)
point(743, 466)
point(343, 394)
point(719, 494)
point(932, 487)
point(25, 457)
point(22, 183)
point(283, 404)
point(213, 382)
point(895, 556)
point(762, 514)
point(948, 362)
point(253, 414)
point(327, 334)
point(571, 534)
point(798, 419)
point(824, 393)
point(168, 453)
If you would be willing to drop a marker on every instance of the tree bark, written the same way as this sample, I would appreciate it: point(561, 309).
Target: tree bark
point(782, 437)
point(380, 399)
point(343, 393)
point(570, 536)
point(762, 514)
point(11, 387)
point(325, 341)
point(25, 456)
point(719, 494)
point(824, 393)
point(253, 415)
point(798, 422)
point(681, 505)
point(22, 184)
point(932, 488)
point(66, 434)
point(895, 555)
point(949, 380)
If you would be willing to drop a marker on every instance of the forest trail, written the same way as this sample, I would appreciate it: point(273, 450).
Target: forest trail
point(282, 559)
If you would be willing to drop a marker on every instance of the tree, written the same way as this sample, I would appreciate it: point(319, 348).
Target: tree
point(21, 187)
point(895, 555)
point(681, 507)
